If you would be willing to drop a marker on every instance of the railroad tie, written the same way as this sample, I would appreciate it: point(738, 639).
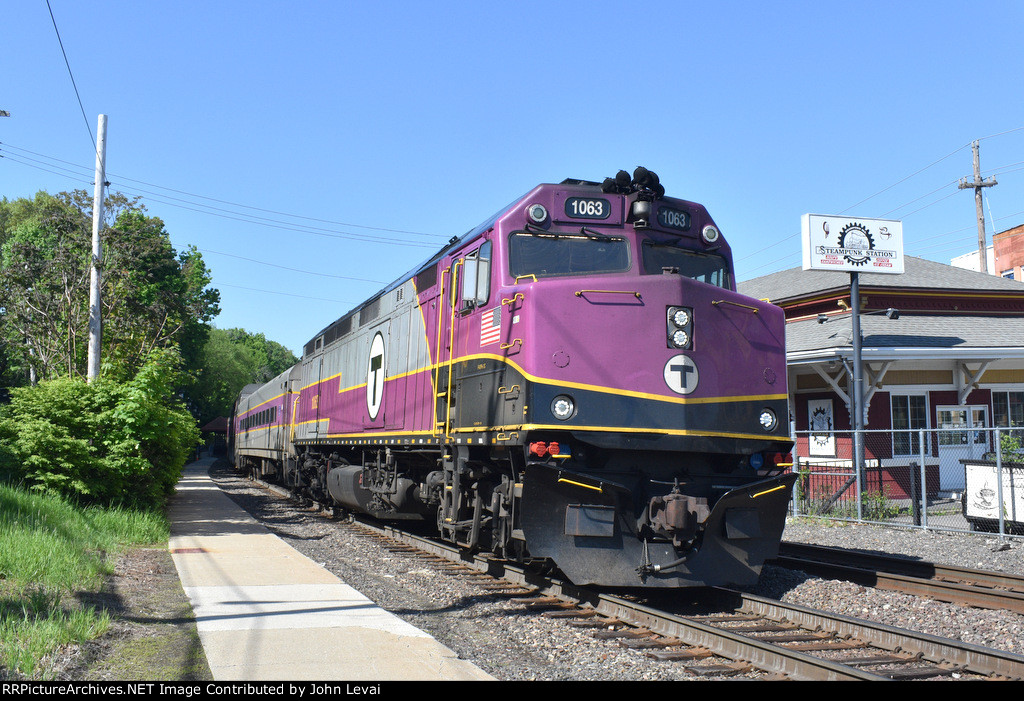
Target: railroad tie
point(694, 653)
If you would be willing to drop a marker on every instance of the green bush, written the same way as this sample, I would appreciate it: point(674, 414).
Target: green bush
point(107, 442)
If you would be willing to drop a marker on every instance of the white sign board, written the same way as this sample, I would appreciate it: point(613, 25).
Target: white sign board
point(851, 244)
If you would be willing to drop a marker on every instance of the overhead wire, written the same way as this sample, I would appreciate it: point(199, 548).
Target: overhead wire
point(274, 223)
point(72, 76)
point(221, 201)
point(297, 270)
point(221, 212)
point(1009, 168)
point(283, 294)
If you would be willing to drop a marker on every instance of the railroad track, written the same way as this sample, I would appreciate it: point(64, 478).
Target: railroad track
point(958, 585)
point(732, 635)
point(741, 635)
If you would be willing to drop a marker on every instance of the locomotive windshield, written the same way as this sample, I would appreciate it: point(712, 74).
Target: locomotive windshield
point(548, 254)
point(709, 268)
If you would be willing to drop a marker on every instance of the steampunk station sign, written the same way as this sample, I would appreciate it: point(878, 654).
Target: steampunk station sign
point(852, 244)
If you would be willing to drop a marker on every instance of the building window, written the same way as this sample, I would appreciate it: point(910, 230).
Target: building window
point(1008, 273)
point(1008, 411)
point(909, 415)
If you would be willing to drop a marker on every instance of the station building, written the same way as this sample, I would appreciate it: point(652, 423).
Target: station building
point(950, 357)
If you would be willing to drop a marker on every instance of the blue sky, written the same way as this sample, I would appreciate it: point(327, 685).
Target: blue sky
point(315, 151)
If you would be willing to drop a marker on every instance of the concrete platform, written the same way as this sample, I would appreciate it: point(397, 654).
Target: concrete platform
point(265, 612)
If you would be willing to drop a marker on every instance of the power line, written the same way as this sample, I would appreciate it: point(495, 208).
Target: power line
point(898, 182)
point(282, 294)
point(72, 75)
point(213, 210)
point(296, 270)
point(903, 180)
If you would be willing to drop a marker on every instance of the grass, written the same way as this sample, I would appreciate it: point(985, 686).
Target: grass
point(52, 554)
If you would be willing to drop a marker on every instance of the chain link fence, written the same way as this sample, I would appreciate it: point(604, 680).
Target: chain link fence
point(969, 479)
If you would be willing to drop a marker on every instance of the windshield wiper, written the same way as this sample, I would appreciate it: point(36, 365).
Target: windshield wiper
point(591, 234)
point(535, 230)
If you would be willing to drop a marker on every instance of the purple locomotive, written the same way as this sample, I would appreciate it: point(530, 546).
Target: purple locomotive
point(574, 382)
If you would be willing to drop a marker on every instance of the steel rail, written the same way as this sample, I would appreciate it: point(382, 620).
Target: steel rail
point(992, 590)
point(974, 658)
point(762, 653)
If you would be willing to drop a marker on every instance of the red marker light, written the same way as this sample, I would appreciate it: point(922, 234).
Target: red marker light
point(552, 449)
point(539, 448)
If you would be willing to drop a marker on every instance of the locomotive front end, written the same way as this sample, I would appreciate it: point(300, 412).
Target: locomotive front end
point(655, 413)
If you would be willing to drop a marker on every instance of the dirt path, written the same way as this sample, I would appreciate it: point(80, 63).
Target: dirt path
point(153, 635)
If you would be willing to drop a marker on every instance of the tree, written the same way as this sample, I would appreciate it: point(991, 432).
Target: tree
point(230, 360)
point(42, 278)
point(151, 296)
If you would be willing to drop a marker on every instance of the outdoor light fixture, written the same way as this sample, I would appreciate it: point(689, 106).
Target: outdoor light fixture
point(680, 327)
point(768, 419)
point(890, 313)
point(563, 407)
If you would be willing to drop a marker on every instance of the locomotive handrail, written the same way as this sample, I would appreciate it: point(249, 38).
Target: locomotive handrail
point(598, 488)
point(735, 304)
point(512, 300)
point(451, 346)
point(506, 346)
point(508, 390)
point(437, 353)
point(523, 277)
point(580, 293)
point(767, 491)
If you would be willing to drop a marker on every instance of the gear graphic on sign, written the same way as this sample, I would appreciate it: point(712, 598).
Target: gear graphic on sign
point(856, 237)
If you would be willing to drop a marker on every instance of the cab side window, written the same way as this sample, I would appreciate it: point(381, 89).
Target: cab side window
point(476, 277)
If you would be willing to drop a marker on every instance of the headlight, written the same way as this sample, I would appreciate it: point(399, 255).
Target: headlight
point(537, 213)
point(679, 331)
point(768, 420)
point(563, 407)
point(710, 234)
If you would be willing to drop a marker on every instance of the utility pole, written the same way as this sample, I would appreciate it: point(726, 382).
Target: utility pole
point(95, 323)
point(977, 184)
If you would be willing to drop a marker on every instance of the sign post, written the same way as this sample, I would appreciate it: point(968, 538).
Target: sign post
point(853, 245)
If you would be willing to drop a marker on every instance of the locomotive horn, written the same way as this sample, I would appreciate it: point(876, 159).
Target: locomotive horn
point(620, 184)
point(641, 178)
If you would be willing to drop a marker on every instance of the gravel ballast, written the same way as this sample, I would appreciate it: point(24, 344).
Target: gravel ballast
point(512, 643)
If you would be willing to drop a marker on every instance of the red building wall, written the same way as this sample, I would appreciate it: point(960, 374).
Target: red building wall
point(1008, 247)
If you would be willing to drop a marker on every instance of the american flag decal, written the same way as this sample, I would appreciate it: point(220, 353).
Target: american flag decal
point(490, 326)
